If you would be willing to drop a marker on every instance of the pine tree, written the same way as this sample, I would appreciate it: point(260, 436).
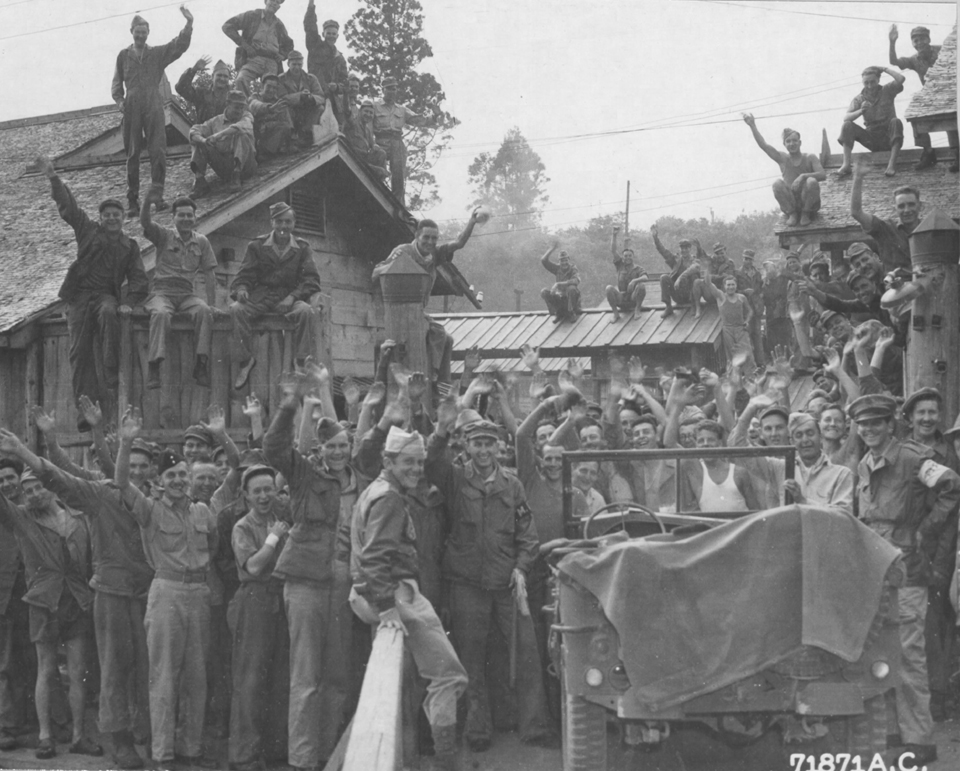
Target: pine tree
point(386, 36)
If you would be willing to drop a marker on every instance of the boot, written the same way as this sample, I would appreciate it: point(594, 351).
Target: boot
point(153, 375)
point(445, 754)
point(927, 158)
point(124, 753)
point(201, 371)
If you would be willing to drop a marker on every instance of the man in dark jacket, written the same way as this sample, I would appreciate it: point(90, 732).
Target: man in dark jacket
point(262, 43)
point(208, 102)
point(907, 497)
point(136, 91)
point(492, 546)
point(325, 61)
point(278, 275)
point(92, 290)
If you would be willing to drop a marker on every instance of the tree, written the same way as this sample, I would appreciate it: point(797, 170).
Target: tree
point(386, 36)
point(511, 182)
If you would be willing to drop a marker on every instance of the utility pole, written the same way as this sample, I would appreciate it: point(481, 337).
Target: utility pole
point(519, 294)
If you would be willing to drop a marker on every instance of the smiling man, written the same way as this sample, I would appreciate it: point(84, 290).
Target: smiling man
point(817, 481)
point(892, 236)
point(325, 61)
point(906, 497)
point(225, 143)
point(262, 43)
point(798, 191)
point(882, 130)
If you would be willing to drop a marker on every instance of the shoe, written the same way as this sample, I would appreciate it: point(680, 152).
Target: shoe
point(153, 375)
point(445, 751)
point(46, 749)
point(955, 167)
point(84, 746)
point(668, 311)
point(133, 210)
point(842, 173)
point(124, 753)
point(479, 744)
point(927, 159)
point(200, 187)
point(244, 374)
point(233, 185)
point(201, 372)
point(805, 219)
point(917, 754)
point(792, 221)
point(7, 741)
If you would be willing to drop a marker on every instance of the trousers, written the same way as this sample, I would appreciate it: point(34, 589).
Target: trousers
point(141, 122)
point(178, 636)
point(162, 307)
point(396, 152)
point(124, 670)
point(92, 318)
point(303, 315)
point(913, 693)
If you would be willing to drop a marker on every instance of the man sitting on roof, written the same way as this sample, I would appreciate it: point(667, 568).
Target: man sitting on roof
point(675, 286)
point(631, 288)
point(563, 298)
point(182, 253)
point(207, 101)
point(882, 129)
point(272, 125)
point(798, 191)
point(278, 275)
point(359, 133)
point(262, 43)
point(925, 57)
point(304, 96)
point(92, 290)
point(226, 143)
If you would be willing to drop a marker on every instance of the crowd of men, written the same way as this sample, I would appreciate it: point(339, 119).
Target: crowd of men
point(267, 104)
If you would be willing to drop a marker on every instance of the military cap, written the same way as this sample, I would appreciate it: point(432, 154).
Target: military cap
point(139, 21)
point(367, 103)
point(467, 418)
point(854, 276)
point(278, 208)
point(775, 409)
point(919, 395)
point(327, 428)
point(787, 132)
point(388, 81)
point(955, 431)
point(294, 55)
point(236, 97)
point(857, 249)
point(919, 32)
point(331, 23)
point(872, 406)
point(719, 247)
point(871, 71)
point(169, 459)
point(482, 428)
point(594, 406)
point(141, 445)
point(254, 471)
point(749, 253)
point(399, 441)
point(27, 475)
point(821, 373)
point(108, 203)
point(198, 432)
point(799, 420)
point(251, 457)
point(792, 255)
point(220, 66)
point(685, 242)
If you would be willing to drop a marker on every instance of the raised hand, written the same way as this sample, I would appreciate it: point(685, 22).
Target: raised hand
point(351, 391)
point(894, 33)
point(396, 412)
point(387, 347)
point(44, 422)
point(575, 368)
point(654, 231)
point(45, 165)
point(10, 443)
point(202, 63)
point(317, 372)
point(749, 119)
point(130, 424)
point(91, 411)
point(710, 379)
point(375, 395)
point(538, 386)
point(401, 375)
point(447, 412)
point(832, 358)
point(564, 380)
point(530, 356)
point(186, 14)
point(251, 407)
point(471, 359)
point(216, 420)
point(637, 371)
point(781, 362)
point(417, 386)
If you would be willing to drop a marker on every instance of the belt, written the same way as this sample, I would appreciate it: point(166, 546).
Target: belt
point(389, 133)
point(183, 576)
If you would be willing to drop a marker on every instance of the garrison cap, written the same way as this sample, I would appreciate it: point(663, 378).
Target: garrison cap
point(917, 396)
point(399, 441)
point(919, 32)
point(482, 428)
point(854, 276)
point(872, 406)
point(220, 66)
point(327, 428)
point(280, 207)
point(858, 248)
point(751, 253)
point(787, 132)
point(367, 103)
point(252, 457)
point(139, 21)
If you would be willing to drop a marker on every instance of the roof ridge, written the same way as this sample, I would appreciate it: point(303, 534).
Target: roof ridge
point(57, 117)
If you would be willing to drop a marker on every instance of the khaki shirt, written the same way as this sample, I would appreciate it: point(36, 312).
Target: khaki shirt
point(178, 261)
point(390, 117)
point(176, 538)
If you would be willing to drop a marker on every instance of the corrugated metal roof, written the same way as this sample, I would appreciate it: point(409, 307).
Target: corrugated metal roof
point(594, 328)
point(939, 93)
point(549, 364)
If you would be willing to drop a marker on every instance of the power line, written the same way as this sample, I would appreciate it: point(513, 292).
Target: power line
point(18, 2)
point(814, 13)
point(88, 21)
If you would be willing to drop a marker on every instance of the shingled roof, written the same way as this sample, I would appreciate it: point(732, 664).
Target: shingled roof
point(38, 246)
point(939, 93)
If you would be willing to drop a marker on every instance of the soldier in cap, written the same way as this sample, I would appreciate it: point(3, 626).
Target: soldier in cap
point(631, 288)
point(93, 290)
point(798, 190)
point(563, 298)
point(303, 95)
point(359, 133)
point(752, 286)
point(197, 443)
point(179, 538)
point(907, 497)
point(389, 121)
point(676, 285)
point(278, 275)
point(326, 62)
point(891, 235)
point(136, 90)
point(225, 143)
point(210, 100)
point(882, 130)
point(488, 575)
point(272, 124)
point(262, 44)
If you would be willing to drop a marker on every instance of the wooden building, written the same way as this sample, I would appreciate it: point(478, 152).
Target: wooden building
point(348, 215)
point(931, 110)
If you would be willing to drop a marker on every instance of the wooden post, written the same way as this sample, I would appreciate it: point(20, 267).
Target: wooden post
point(404, 284)
point(933, 342)
point(519, 294)
point(126, 366)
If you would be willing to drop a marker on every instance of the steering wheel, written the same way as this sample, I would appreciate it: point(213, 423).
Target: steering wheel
point(629, 512)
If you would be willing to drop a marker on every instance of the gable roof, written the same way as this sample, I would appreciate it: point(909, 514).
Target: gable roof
point(500, 335)
point(939, 93)
point(38, 246)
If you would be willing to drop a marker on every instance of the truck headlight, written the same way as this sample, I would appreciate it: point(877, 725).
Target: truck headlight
point(618, 677)
point(594, 677)
point(880, 669)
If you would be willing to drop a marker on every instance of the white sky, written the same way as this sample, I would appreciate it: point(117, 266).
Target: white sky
point(555, 68)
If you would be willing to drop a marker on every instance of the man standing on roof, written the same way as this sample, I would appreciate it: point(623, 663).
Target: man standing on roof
point(882, 130)
point(631, 287)
point(262, 44)
point(359, 133)
point(425, 252)
point(389, 121)
point(906, 497)
point(182, 253)
point(278, 275)
point(207, 101)
point(136, 90)
point(798, 191)
point(325, 61)
point(226, 143)
point(92, 290)
point(304, 96)
point(563, 298)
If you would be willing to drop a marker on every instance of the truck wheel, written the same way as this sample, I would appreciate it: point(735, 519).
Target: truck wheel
point(584, 734)
point(867, 733)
